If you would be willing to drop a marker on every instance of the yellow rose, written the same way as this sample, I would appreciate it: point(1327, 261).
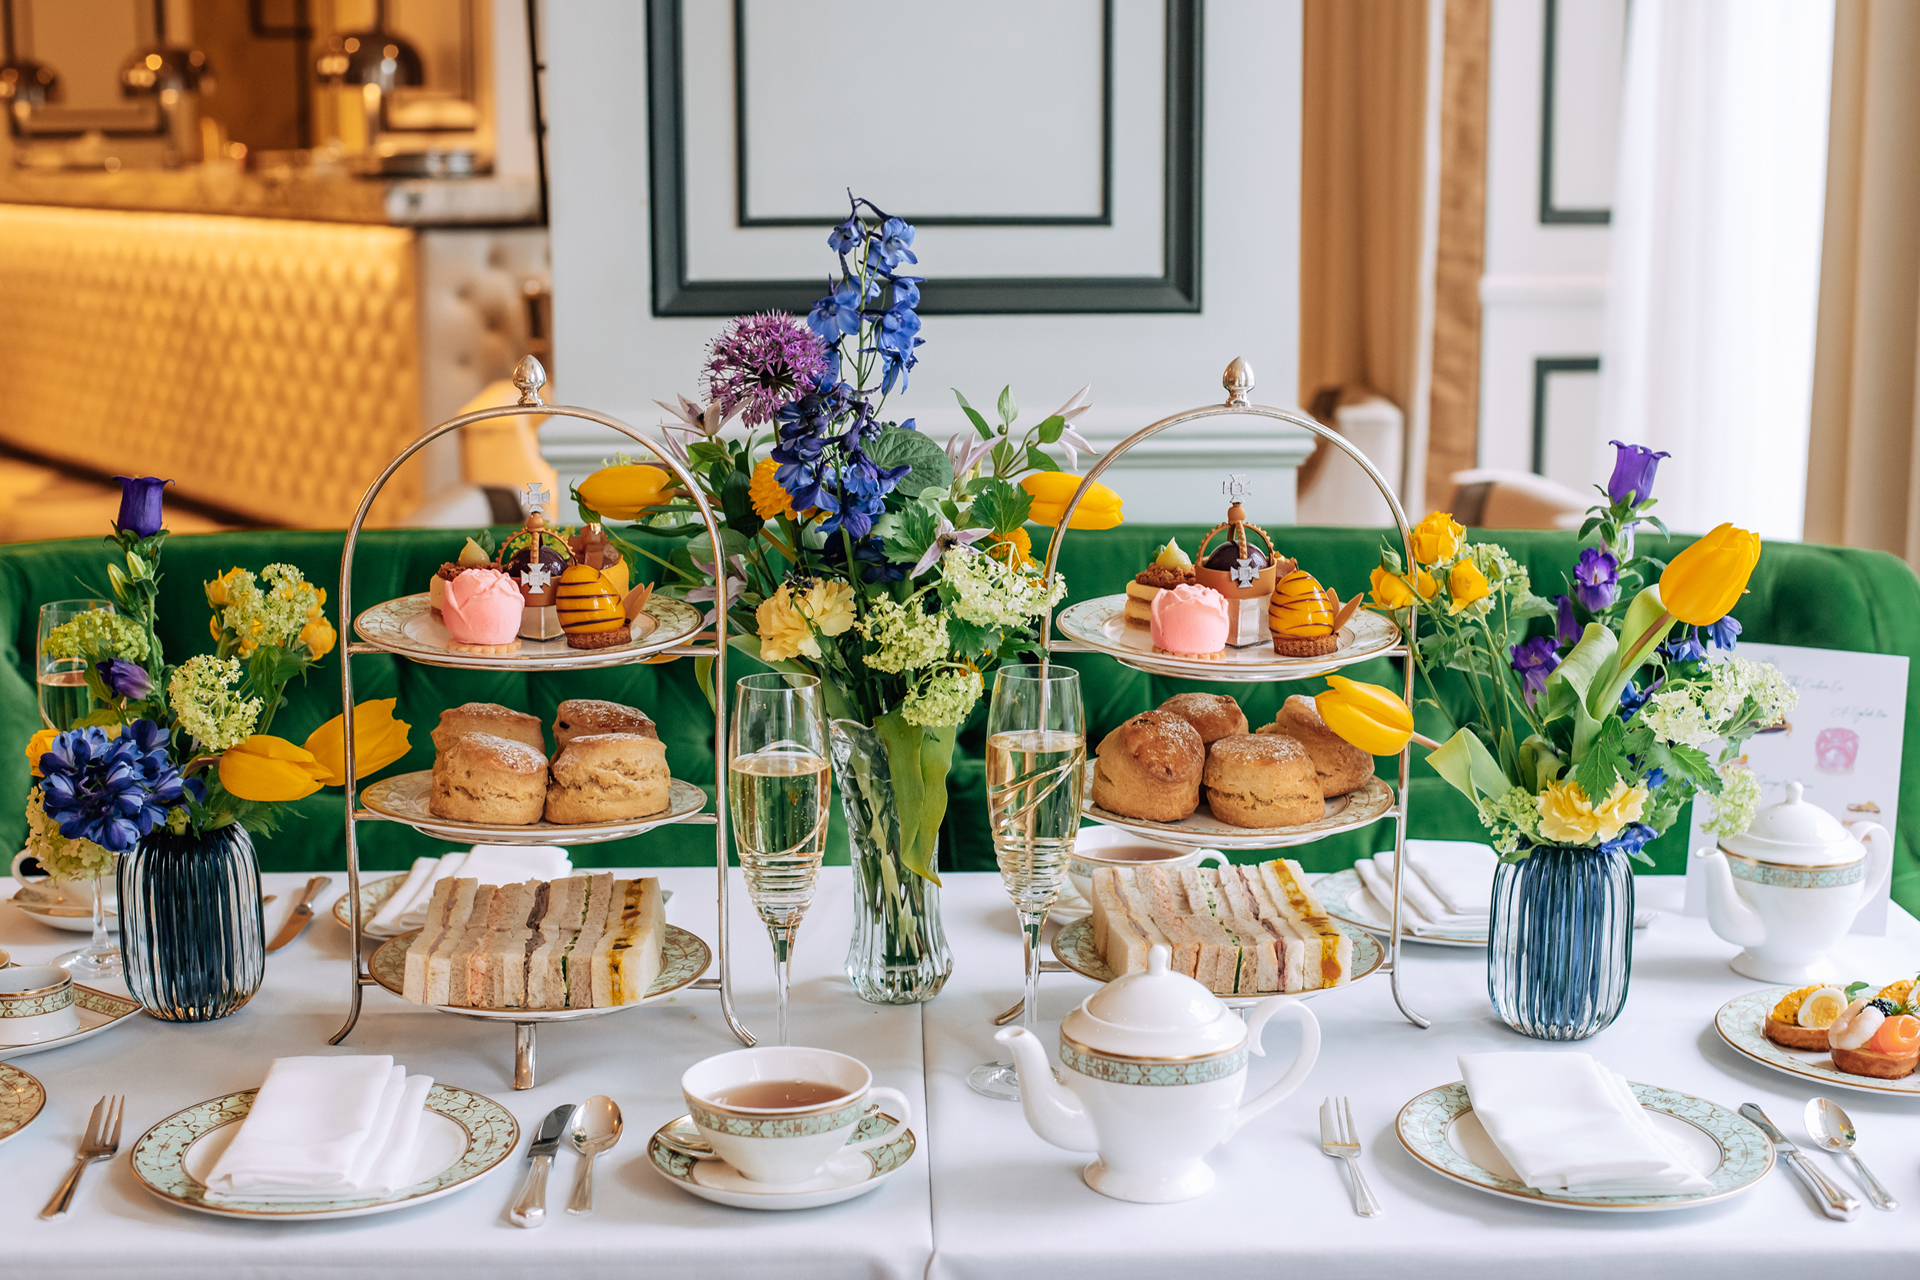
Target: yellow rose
point(1566, 815)
point(1390, 590)
point(766, 495)
point(268, 768)
point(1013, 549)
point(38, 745)
point(1052, 490)
point(1438, 537)
point(1374, 719)
point(784, 633)
point(828, 606)
point(378, 740)
point(622, 493)
point(1706, 580)
point(1622, 806)
point(319, 636)
point(1466, 584)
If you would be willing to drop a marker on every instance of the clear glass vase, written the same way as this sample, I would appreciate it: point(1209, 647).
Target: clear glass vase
point(1560, 947)
point(191, 932)
point(898, 954)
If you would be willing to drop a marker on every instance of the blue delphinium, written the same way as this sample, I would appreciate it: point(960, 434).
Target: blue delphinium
point(1632, 839)
point(1724, 633)
point(1684, 647)
point(112, 791)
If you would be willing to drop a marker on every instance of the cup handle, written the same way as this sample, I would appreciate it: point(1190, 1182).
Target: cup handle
point(1212, 858)
point(874, 1095)
point(18, 858)
point(1297, 1073)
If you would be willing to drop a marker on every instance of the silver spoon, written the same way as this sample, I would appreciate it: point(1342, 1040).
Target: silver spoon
point(595, 1128)
point(1831, 1130)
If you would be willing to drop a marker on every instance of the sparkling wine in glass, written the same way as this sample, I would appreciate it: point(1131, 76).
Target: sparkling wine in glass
point(778, 784)
point(1036, 775)
point(62, 682)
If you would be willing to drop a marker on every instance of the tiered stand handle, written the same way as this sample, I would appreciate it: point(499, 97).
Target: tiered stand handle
point(1238, 381)
point(529, 377)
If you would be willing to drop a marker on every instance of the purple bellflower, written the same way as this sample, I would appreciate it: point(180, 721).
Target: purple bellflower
point(1634, 466)
point(140, 505)
point(1533, 661)
point(1596, 579)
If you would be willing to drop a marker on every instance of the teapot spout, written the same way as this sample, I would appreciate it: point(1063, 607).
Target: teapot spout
point(1729, 915)
point(1051, 1108)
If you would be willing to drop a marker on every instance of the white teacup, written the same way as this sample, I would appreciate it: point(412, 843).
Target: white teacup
point(70, 893)
point(36, 1004)
point(786, 1144)
point(1098, 847)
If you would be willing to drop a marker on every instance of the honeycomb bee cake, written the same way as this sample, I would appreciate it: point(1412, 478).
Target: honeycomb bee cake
point(1305, 617)
point(590, 609)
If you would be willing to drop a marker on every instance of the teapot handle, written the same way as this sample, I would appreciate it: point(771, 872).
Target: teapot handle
point(1303, 1063)
point(1879, 860)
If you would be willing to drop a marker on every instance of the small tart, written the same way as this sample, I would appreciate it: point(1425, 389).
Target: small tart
point(1881, 1066)
point(1305, 646)
point(1788, 1010)
point(1792, 1035)
point(619, 635)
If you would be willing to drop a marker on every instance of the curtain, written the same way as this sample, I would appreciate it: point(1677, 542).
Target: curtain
point(1862, 481)
point(1716, 244)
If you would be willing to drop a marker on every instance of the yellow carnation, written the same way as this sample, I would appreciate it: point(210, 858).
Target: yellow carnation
point(1566, 815)
point(769, 499)
point(784, 633)
point(828, 606)
point(1622, 806)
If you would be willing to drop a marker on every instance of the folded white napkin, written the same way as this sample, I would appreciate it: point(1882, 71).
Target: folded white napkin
point(325, 1128)
point(1566, 1123)
point(1460, 872)
point(1422, 910)
point(492, 864)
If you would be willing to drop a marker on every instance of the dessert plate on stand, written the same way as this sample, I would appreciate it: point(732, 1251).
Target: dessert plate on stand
point(683, 958)
point(1073, 947)
point(670, 1152)
point(1740, 1022)
point(373, 895)
point(405, 797)
point(1202, 830)
point(1101, 625)
point(407, 627)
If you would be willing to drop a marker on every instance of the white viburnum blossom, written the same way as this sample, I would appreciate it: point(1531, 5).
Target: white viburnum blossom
point(1738, 801)
point(1675, 715)
point(206, 707)
point(64, 857)
point(907, 637)
point(991, 593)
point(945, 699)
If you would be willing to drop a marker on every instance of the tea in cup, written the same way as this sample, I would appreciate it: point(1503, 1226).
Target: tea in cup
point(779, 1114)
point(36, 1004)
point(1098, 847)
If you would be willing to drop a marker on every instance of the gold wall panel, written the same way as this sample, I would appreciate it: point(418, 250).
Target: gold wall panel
point(269, 367)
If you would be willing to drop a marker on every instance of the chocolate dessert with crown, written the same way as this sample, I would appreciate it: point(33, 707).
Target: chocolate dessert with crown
point(535, 558)
point(1240, 571)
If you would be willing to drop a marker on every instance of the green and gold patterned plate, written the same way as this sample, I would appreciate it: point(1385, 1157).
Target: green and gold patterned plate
point(1201, 830)
point(21, 1099)
point(1100, 625)
point(406, 626)
point(1741, 1021)
point(463, 1137)
point(98, 1011)
point(672, 1154)
point(1439, 1129)
point(1074, 947)
point(404, 798)
point(683, 958)
point(1347, 900)
point(373, 895)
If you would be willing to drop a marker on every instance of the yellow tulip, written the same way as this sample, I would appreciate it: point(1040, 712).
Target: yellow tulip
point(319, 637)
point(1706, 580)
point(1466, 584)
point(1438, 537)
point(1052, 490)
point(268, 768)
point(378, 740)
point(622, 493)
point(38, 745)
point(1566, 815)
point(1370, 717)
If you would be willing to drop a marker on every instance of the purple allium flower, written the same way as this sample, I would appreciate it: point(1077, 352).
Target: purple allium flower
point(763, 363)
point(140, 505)
point(1633, 470)
point(1596, 579)
point(1569, 630)
point(124, 679)
point(1533, 661)
point(1722, 634)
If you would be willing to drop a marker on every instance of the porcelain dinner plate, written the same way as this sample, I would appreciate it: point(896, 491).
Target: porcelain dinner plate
point(463, 1137)
point(1204, 831)
point(1439, 1129)
point(1074, 948)
point(39, 900)
point(406, 627)
point(404, 799)
point(846, 1176)
point(1348, 901)
point(1101, 625)
point(1739, 1023)
point(683, 958)
point(373, 893)
point(21, 1098)
point(98, 1010)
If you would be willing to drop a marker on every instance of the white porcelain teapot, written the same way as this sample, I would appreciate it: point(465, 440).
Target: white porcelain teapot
point(1788, 888)
point(1153, 1066)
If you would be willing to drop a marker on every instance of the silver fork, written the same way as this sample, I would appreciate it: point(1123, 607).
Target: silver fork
point(101, 1142)
point(1339, 1139)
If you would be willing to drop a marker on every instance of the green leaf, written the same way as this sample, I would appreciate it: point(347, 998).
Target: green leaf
point(1684, 763)
point(1008, 409)
point(737, 504)
point(912, 534)
point(704, 454)
point(973, 416)
point(1604, 760)
point(1642, 616)
point(1001, 507)
point(1038, 459)
point(897, 446)
point(1464, 761)
point(1586, 661)
point(970, 639)
point(1052, 429)
point(918, 758)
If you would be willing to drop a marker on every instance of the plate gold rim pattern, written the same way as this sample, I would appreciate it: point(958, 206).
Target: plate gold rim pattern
point(403, 799)
point(1739, 1023)
point(882, 1161)
point(683, 958)
point(373, 894)
point(1073, 947)
point(1093, 623)
point(22, 1098)
point(384, 626)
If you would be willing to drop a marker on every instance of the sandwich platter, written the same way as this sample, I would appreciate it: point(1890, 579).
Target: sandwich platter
point(1101, 625)
point(1074, 948)
point(1740, 1022)
point(404, 798)
point(407, 627)
point(1201, 830)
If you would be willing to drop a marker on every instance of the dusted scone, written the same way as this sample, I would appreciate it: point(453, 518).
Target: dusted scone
point(488, 717)
point(1341, 766)
point(483, 778)
point(1262, 781)
point(1213, 715)
point(605, 777)
point(1149, 768)
point(580, 716)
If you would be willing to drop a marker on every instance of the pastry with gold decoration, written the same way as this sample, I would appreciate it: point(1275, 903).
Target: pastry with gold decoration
point(1305, 618)
point(1171, 568)
point(590, 610)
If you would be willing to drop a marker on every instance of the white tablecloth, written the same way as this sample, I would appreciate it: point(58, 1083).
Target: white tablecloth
point(987, 1198)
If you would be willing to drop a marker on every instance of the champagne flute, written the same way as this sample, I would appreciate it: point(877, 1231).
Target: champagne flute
point(1036, 775)
point(62, 682)
point(778, 783)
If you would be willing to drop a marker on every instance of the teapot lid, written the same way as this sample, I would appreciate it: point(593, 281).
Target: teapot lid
point(1796, 833)
point(1155, 1013)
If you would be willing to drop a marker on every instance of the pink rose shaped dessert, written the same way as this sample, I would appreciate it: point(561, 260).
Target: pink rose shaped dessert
point(1190, 620)
point(1835, 750)
point(483, 607)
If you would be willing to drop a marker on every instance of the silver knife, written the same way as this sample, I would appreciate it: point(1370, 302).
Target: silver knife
point(302, 912)
point(1833, 1202)
point(529, 1208)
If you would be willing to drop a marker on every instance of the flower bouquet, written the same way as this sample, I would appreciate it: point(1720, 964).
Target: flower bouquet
point(1586, 741)
point(857, 550)
point(172, 762)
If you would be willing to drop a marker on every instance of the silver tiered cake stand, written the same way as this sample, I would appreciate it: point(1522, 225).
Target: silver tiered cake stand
point(1238, 381)
point(529, 377)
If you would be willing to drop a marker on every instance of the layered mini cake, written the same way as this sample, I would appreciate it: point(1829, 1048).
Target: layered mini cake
point(1170, 568)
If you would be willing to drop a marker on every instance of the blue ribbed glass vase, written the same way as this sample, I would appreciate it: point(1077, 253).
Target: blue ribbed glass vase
point(1560, 945)
point(190, 925)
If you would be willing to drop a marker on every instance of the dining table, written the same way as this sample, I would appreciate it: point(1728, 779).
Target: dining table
point(984, 1198)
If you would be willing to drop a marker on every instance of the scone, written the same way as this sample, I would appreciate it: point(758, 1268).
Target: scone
point(482, 778)
point(1341, 766)
point(1213, 715)
point(1149, 768)
point(580, 716)
point(1255, 780)
point(606, 777)
point(488, 717)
